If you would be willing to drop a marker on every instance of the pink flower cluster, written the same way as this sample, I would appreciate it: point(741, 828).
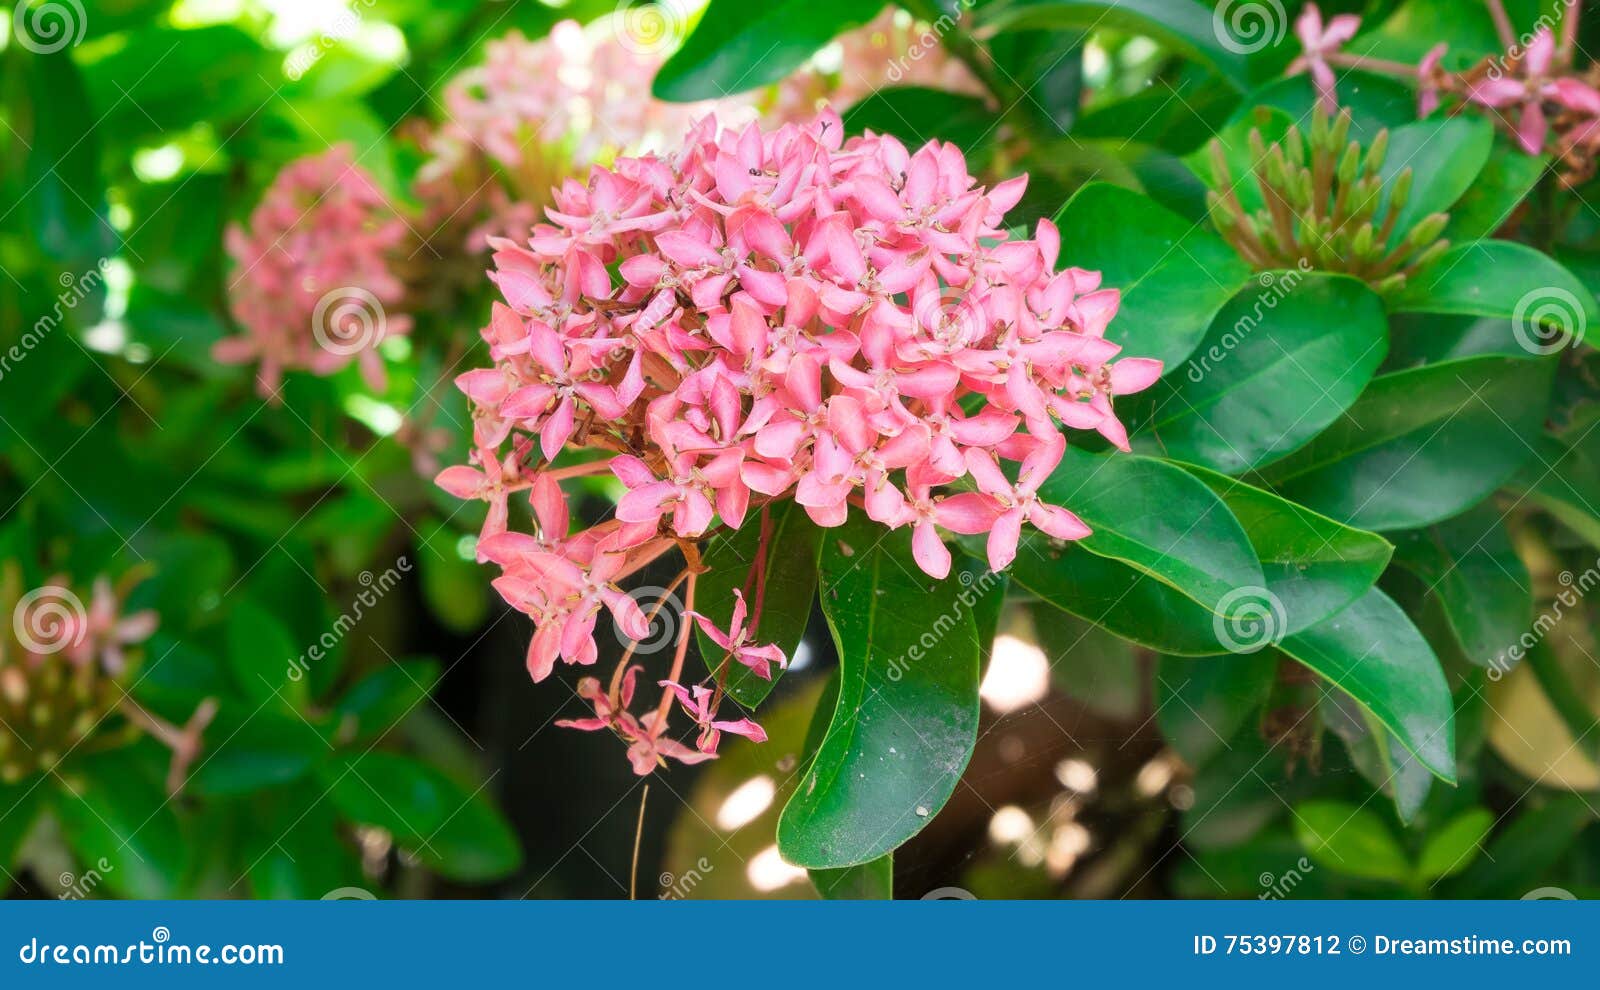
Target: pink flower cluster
point(1530, 89)
point(314, 274)
point(770, 315)
point(534, 113)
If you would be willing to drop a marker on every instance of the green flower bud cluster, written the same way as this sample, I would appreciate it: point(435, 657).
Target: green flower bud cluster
point(1324, 202)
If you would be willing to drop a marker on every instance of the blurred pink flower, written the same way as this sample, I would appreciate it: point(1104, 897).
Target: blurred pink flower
point(312, 282)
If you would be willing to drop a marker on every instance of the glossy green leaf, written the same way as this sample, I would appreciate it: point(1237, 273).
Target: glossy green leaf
point(1352, 840)
point(1502, 278)
point(456, 832)
point(1186, 27)
point(871, 881)
point(1157, 519)
point(1469, 563)
point(1373, 653)
point(1421, 445)
point(1313, 565)
point(1174, 275)
point(907, 714)
point(737, 46)
point(1507, 178)
point(1445, 156)
point(784, 595)
point(1280, 362)
point(1377, 755)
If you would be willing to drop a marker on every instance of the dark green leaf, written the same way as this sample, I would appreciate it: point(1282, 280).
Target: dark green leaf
point(1373, 653)
point(907, 714)
point(785, 593)
point(1201, 704)
point(380, 700)
point(120, 822)
point(1174, 275)
point(265, 663)
point(1280, 362)
point(738, 46)
point(918, 114)
point(1503, 278)
point(1186, 27)
point(248, 750)
point(1470, 564)
point(1157, 519)
point(1421, 445)
point(1507, 178)
point(1312, 565)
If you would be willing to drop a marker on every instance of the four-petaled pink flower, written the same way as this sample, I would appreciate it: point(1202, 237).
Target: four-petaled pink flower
point(1319, 42)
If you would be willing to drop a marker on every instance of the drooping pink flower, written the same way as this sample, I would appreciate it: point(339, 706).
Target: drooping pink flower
point(312, 285)
point(696, 701)
point(738, 642)
point(1319, 42)
point(1428, 75)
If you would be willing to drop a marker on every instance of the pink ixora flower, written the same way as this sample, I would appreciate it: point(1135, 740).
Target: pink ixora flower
point(1523, 93)
point(312, 284)
point(1320, 42)
point(770, 315)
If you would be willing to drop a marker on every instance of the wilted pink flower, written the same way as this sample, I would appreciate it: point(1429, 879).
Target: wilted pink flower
point(769, 315)
point(1320, 42)
point(312, 282)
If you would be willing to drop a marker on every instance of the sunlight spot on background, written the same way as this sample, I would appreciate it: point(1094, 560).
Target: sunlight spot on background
point(1019, 675)
point(746, 803)
point(802, 656)
point(1010, 825)
point(1154, 777)
point(1077, 775)
point(467, 547)
point(769, 871)
point(379, 417)
point(158, 164)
